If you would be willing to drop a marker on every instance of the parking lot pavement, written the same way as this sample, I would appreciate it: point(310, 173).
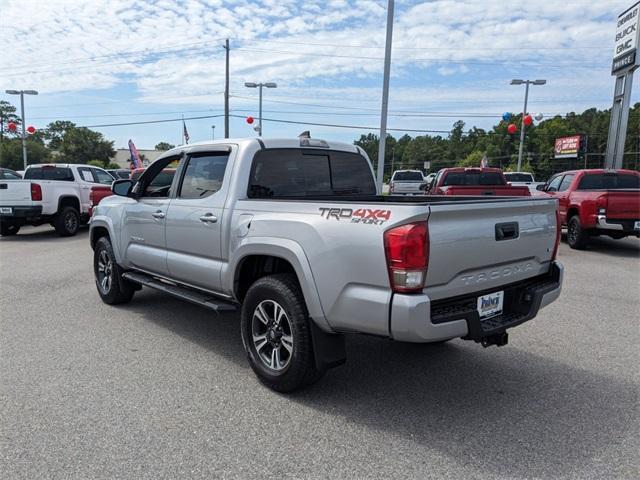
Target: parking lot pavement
point(161, 389)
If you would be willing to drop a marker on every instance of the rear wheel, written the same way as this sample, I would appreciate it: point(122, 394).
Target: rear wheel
point(276, 334)
point(577, 237)
point(112, 288)
point(8, 229)
point(67, 222)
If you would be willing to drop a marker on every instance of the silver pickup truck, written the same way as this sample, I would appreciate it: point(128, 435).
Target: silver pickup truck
point(293, 233)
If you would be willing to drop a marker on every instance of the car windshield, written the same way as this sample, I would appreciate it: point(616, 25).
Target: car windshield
point(472, 178)
point(519, 177)
point(609, 181)
point(408, 177)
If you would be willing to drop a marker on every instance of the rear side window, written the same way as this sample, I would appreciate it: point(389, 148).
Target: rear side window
point(407, 177)
point(566, 181)
point(472, 178)
point(203, 175)
point(281, 173)
point(49, 173)
point(609, 181)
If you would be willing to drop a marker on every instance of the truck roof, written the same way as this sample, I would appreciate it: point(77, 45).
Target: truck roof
point(473, 169)
point(274, 143)
point(601, 170)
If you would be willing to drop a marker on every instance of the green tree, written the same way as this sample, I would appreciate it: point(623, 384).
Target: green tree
point(11, 153)
point(472, 160)
point(163, 146)
point(78, 144)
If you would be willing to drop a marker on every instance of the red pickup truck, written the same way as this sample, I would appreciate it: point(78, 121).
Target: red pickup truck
point(473, 181)
point(596, 202)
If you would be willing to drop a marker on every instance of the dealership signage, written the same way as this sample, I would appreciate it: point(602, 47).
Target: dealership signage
point(567, 147)
point(626, 42)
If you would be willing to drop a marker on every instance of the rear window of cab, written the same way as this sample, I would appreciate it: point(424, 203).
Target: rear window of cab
point(609, 181)
point(49, 173)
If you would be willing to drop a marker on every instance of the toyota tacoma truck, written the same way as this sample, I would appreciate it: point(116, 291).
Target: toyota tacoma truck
point(57, 194)
point(596, 202)
point(294, 235)
point(473, 181)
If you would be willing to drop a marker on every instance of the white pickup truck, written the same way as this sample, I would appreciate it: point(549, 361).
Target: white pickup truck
point(49, 193)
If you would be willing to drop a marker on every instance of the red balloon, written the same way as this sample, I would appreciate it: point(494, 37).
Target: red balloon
point(528, 120)
point(31, 129)
point(12, 127)
point(249, 120)
point(512, 128)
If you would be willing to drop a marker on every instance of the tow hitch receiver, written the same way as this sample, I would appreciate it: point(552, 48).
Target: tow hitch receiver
point(498, 339)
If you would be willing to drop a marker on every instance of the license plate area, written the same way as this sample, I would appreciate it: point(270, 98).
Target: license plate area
point(490, 305)
point(8, 210)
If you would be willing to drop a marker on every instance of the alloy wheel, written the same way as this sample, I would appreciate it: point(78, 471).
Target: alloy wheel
point(271, 334)
point(105, 272)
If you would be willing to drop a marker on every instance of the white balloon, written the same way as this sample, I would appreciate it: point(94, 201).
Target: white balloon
point(538, 116)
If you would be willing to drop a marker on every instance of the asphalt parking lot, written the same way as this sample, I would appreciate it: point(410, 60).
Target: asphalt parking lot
point(160, 388)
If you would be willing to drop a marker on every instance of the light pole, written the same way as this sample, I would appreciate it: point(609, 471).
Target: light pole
point(213, 132)
point(22, 93)
point(517, 81)
point(259, 87)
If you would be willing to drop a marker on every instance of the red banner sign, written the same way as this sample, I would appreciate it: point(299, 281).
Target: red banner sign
point(567, 146)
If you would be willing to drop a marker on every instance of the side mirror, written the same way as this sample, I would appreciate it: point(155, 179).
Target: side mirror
point(423, 186)
point(122, 187)
point(540, 187)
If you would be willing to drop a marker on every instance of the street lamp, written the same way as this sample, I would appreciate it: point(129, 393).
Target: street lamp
point(259, 86)
point(213, 132)
point(22, 93)
point(517, 81)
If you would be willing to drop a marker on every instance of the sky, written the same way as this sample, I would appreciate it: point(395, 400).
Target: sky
point(103, 62)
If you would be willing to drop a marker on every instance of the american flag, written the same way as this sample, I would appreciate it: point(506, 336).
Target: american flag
point(185, 133)
point(135, 158)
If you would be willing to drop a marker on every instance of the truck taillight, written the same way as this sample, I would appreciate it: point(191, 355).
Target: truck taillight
point(407, 251)
point(36, 192)
point(558, 235)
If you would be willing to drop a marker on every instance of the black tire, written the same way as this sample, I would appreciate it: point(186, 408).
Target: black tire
point(67, 222)
point(577, 237)
point(300, 369)
point(114, 290)
point(8, 229)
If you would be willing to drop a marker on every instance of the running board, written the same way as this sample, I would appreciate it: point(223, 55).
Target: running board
point(192, 295)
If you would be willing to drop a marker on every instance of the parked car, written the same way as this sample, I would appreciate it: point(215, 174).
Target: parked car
point(294, 234)
point(405, 182)
point(98, 192)
point(596, 202)
point(49, 193)
point(8, 174)
point(118, 173)
point(520, 179)
point(473, 181)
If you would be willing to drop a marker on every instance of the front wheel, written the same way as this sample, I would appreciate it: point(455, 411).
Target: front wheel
point(577, 237)
point(276, 334)
point(112, 288)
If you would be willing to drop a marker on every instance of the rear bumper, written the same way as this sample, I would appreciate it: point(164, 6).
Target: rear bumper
point(21, 212)
point(625, 226)
point(414, 318)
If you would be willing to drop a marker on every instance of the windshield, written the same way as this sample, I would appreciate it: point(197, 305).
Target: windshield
point(609, 181)
point(473, 178)
point(408, 177)
point(519, 177)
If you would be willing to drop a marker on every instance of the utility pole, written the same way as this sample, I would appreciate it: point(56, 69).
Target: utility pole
point(213, 132)
point(524, 112)
point(226, 90)
point(385, 95)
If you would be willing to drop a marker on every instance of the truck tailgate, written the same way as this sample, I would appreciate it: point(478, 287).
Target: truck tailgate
point(15, 193)
point(479, 246)
point(623, 204)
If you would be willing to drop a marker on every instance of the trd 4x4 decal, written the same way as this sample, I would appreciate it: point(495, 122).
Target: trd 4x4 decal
point(360, 215)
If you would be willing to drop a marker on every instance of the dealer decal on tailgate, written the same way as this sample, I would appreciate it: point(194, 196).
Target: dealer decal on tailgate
point(360, 215)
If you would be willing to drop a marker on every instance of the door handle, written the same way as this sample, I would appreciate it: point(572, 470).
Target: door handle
point(208, 218)
point(159, 215)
